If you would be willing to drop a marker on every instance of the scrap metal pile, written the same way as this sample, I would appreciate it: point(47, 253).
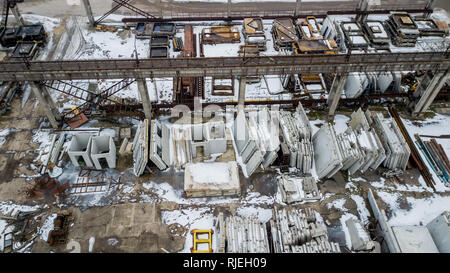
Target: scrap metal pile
point(22, 227)
point(436, 158)
point(368, 142)
point(299, 231)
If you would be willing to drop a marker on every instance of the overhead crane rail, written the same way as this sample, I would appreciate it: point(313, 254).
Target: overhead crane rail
point(222, 66)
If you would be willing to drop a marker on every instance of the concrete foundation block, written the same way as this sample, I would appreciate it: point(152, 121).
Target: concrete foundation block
point(103, 148)
point(80, 150)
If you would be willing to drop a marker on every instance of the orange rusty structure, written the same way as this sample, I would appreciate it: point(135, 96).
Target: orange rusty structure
point(189, 86)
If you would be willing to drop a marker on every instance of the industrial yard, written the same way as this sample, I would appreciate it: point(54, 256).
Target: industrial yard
point(142, 126)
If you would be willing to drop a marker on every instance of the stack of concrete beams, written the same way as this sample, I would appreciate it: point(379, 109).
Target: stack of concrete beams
point(327, 154)
point(296, 131)
point(241, 235)
point(256, 139)
point(299, 231)
point(298, 189)
point(397, 150)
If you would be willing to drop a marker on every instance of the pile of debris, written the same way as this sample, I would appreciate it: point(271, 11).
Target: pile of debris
point(45, 184)
point(25, 226)
point(360, 238)
point(296, 135)
point(298, 189)
point(60, 228)
point(299, 231)
point(235, 234)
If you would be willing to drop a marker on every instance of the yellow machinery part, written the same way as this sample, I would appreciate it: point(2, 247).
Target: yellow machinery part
point(75, 110)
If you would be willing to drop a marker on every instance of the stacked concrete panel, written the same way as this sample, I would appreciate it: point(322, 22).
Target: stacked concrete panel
point(296, 134)
point(327, 154)
point(140, 148)
point(155, 144)
point(256, 138)
point(352, 155)
point(397, 150)
point(368, 141)
point(264, 125)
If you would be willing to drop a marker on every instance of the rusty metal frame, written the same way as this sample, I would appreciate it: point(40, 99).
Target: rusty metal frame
point(92, 181)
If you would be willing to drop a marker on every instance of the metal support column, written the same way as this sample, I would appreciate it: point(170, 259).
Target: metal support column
point(429, 6)
point(87, 6)
point(229, 9)
point(46, 102)
point(145, 98)
point(335, 92)
point(434, 87)
point(160, 9)
point(297, 8)
point(15, 11)
point(363, 7)
point(241, 96)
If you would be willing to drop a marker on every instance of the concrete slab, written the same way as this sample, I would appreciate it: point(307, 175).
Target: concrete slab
point(211, 179)
point(414, 239)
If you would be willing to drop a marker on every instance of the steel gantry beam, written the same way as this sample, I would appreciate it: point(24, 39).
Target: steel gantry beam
point(223, 66)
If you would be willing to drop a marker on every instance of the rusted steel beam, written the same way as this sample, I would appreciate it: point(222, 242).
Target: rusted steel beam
point(223, 66)
point(321, 14)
